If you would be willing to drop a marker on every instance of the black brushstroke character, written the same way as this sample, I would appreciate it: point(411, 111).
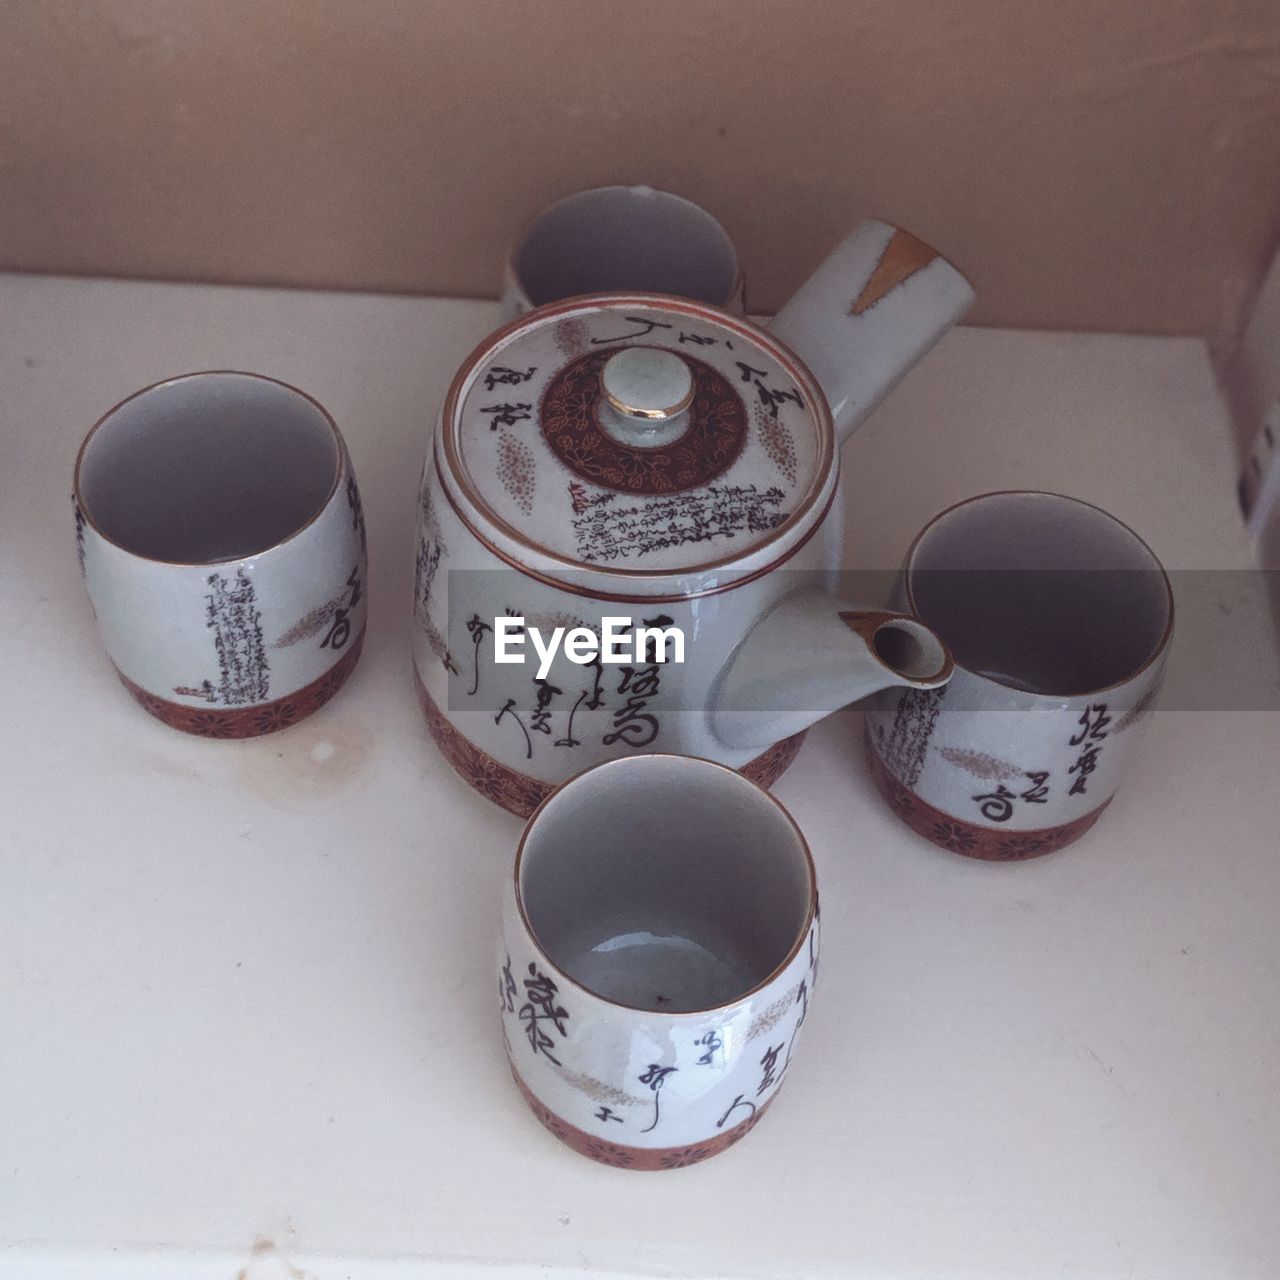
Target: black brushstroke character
point(643, 330)
point(231, 613)
point(507, 989)
point(340, 632)
point(540, 721)
point(500, 375)
point(592, 699)
point(477, 629)
point(1037, 792)
point(769, 1066)
point(506, 414)
point(655, 1077)
point(739, 1101)
point(1085, 764)
point(1093, 730)
point(80, 524)
point(606, 1113)
point(770, 397)
point(541, 1007)
point(357, 511)
point(1093, 724)
point(997, 805)
point(633, 723)
point(509, 709)
point(710, 1041)
point(650, 653)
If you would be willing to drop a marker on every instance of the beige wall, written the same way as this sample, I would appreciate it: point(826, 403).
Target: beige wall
point(1091, 163)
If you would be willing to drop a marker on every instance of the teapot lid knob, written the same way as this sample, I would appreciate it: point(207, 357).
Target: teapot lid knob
point(647, 383)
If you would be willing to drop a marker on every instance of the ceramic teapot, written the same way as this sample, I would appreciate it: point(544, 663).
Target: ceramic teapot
point(630, 520)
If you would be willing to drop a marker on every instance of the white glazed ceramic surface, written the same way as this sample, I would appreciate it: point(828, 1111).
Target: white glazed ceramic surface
point(542, 454)
point(611, 239)
point(514, 737)
point(237, 644)
point(649, 1016)
point(1060, 620)
point(875, 307)
point(543, 499)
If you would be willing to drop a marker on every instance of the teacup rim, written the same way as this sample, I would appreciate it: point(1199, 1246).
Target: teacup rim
point(517, 243)
point(1156, 653)
point(343, 464)
point(810, 916)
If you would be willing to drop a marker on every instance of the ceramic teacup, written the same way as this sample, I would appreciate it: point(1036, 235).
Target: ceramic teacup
point(658, 953)
point(622, 239)
point(222, 543)
point(1059, 618)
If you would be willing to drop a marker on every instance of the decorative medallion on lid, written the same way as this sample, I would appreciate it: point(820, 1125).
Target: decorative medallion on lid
point(597, 444)
point(638, 434)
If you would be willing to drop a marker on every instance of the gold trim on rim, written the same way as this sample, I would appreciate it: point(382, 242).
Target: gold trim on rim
point(811, 911)
point(825, 463)
point(1156, 653)
point(342, 468)
point(867, 623)
point(649, 415)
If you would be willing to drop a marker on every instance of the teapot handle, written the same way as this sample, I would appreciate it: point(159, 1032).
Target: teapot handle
point(873, 308)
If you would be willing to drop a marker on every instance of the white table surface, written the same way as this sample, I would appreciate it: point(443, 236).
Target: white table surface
point(247, 1025)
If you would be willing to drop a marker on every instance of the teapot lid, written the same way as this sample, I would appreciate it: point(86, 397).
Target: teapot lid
point(638, 434)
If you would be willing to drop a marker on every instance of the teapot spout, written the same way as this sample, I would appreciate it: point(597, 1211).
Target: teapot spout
point(877, 304)
point(813, 654)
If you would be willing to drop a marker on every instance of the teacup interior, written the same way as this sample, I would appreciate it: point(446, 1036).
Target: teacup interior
point(210, 467)
point(1040, 592)
point(627, 238)
point(665, 883)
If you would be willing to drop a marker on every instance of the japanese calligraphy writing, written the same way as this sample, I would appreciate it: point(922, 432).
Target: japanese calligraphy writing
point(998, 805)
point(540, 722)
point(1093, 730)
point(509, 709)
point(357, 511)
point(542, 1008)
point(477, 629)
point(592, 699)
point(80, 524)
point(633, 722)
point(507, 989)
point(630, 530)
point(231, 613)
point(655, 1077)
point(500, 375)
point(769, 1068)
point(710, 1041)
point(770, 397)
point(340, 630)
point(507, 415)
point(643, 328)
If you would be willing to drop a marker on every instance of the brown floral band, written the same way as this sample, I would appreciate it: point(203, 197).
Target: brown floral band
point(959, 836)
point(644, 1159)
point(250, 722)
point(520, 794)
